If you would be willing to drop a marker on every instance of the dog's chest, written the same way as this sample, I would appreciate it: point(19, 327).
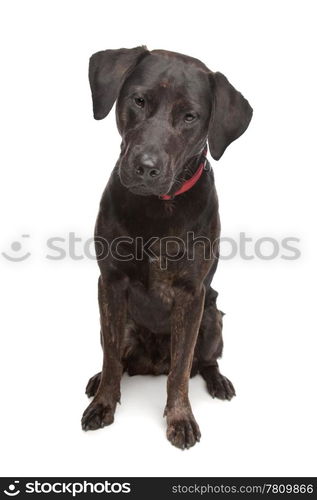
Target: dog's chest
point(160, 281)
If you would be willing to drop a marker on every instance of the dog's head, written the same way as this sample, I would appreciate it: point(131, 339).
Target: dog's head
point(168, 105)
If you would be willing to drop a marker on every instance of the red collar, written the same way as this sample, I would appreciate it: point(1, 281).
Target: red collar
point(190, 182)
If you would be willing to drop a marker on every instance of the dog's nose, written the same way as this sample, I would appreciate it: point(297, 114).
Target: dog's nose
point(147, 167)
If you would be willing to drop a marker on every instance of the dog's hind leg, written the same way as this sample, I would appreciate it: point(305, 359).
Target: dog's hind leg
point(209, 349)
point(93, 384)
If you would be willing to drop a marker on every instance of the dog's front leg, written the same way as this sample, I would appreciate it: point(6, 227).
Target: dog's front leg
point(113, 310)
point(182, 428)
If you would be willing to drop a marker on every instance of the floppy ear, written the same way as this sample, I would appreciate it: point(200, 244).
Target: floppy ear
point(231, 115)
point(107, 71)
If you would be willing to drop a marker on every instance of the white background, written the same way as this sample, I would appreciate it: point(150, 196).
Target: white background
point(55, 161)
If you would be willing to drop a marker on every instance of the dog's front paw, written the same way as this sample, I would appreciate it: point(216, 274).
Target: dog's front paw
point(97, 415)
point(182, 428)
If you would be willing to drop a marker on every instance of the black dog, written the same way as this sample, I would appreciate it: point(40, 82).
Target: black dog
point(159, 215)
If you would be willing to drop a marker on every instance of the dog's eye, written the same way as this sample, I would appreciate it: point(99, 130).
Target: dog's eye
point(189, 117)
point(139, 101)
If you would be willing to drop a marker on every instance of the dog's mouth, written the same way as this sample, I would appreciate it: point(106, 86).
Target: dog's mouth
point(143, 189)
